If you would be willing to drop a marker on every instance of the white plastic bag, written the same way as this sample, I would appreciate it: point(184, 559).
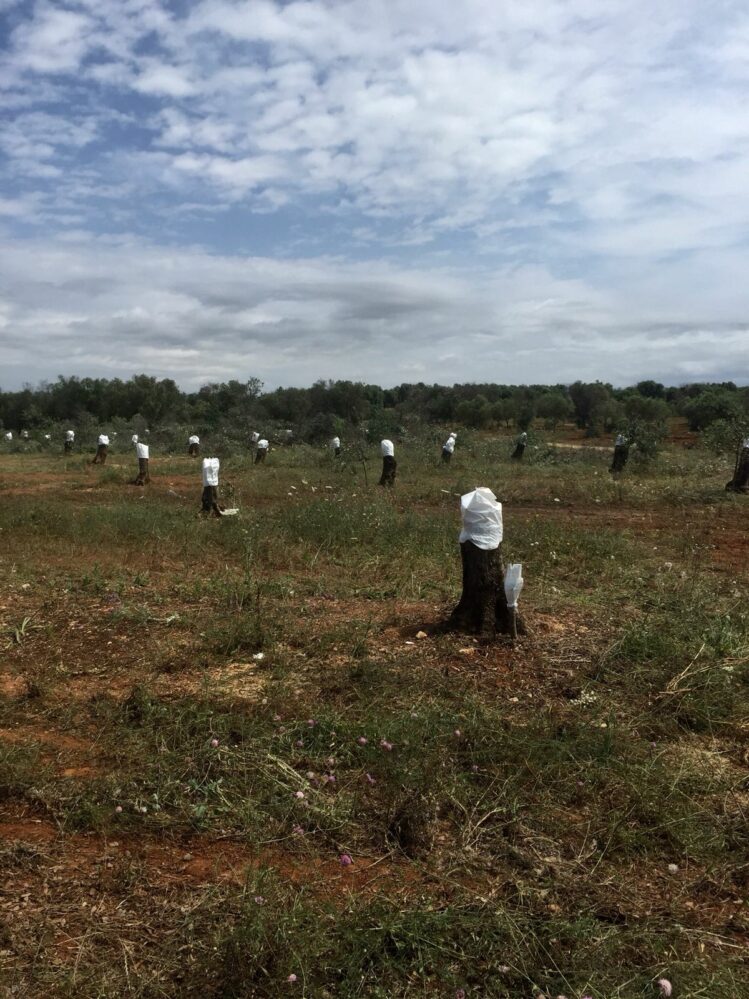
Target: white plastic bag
point(103, 439)
point(142, 450)
point(210, 471)
point(134, 438)
point(482, 519)
point(513, 583)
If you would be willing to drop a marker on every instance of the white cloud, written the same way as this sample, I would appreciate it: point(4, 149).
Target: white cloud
point(53, 41)
point(91, 304)
point(583, 162)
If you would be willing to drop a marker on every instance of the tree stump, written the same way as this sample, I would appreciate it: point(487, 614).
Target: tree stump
point(482, 609)
point(740, 481)
point(621, 454)
point(260, 455)
point(193, 450)
point(446, 456)
point(210, 502)
point(67, 447)
point(100, 458)
point(143, 477)
point(518, 453)
point(389, 467)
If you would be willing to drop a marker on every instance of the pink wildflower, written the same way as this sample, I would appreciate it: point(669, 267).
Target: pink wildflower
point(214, 743)
point(259, 900)
point(362, 740)
point(299, 743)
point(387, 746)
point(298, 831)
point(370, 779)
point(118, 809)
point(665, 986)
point(291, 978)
point(345, 860)
point(457, 733)
point(460, 994)
point(299, 795)
point(311, 722)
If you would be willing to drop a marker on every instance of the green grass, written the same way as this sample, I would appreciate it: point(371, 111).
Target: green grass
point(521, 826)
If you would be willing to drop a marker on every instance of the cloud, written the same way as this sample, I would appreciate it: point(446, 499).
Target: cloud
point(92, 305)
point(575, 170)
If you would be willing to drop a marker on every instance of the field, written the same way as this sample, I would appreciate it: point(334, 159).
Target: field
point(203, 720)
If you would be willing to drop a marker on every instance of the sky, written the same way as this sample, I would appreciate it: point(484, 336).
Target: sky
point(381, 190)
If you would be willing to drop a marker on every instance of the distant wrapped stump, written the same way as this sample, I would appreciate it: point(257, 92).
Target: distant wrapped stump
point(210, 502)
point(621, 455)
point(740, 481)
point(143, 477)
point(389, 467)
point(100, 458)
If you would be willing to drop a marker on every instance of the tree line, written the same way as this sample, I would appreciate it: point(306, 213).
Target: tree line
point(330, 405)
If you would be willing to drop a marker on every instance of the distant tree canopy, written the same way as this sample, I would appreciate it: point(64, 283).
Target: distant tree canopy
point(329, 406)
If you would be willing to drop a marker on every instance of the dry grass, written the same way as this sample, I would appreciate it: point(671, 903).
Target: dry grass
point(515, 840)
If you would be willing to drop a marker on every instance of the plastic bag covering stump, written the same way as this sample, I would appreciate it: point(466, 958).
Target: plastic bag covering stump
point(520, 446)
point(210, 471)
point(482, 519)
point(101, 450)
point(448, 447)
point(143, 477)
point(210, 502)
point(389, 465)
point(193, 444)
point(483, 607)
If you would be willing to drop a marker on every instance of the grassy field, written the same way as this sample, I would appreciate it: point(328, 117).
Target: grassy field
point(202, 721)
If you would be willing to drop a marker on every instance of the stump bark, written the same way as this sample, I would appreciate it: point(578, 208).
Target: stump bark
point(210, 502)
point(740, 481)
point(260, 455)
point(143, 477)
point(518, 453)
point(100, 458)
point(193, 450)
point(389, 467)
point(67, 447)
point(446, 456)
point(621, 454)
point(482, 609)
